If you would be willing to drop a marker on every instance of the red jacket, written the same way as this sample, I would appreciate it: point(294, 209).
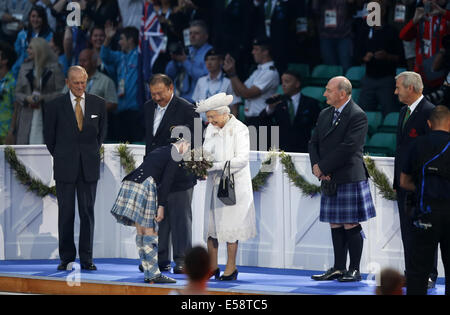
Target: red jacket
point(412, 31)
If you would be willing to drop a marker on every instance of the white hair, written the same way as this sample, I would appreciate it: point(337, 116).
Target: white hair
point(223, 110)
point(413, 79)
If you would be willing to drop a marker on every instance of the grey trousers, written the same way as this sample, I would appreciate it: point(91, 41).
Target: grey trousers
point(177, 225)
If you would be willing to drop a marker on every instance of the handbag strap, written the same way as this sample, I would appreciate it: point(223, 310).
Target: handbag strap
point(225, 167)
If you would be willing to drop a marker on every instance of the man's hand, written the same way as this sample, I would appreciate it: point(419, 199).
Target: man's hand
point(418, 15)
point(110, 30)
point(229, 65)
point(160, 214)
point(436, 9)
point(316, 171)
point(368, 57)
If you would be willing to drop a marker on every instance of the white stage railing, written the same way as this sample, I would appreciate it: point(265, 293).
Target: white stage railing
point(289, 232)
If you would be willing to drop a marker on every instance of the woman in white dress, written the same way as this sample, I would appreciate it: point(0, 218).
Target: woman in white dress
point(227, 139)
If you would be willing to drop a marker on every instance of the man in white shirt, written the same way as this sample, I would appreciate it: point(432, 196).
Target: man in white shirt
point(215, 82)
point(261, 84)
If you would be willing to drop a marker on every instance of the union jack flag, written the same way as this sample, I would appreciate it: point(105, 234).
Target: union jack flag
point(151, 41)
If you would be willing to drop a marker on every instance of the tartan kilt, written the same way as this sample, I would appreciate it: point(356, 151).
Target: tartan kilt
point(352, 203)
point(136, 203)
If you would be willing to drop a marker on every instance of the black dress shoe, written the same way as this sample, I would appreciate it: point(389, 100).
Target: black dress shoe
point(178, 269)
point(215, 273)
point(350, 276)
point(88, 266)
point(65, 266)
point(231, 277)
point(431, 283)
point(161, 279)
point(330, 274)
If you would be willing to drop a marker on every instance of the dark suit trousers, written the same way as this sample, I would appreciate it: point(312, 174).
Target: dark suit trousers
point(423, 250)
point(65, 193)
point(178, 224)
point(406, 229)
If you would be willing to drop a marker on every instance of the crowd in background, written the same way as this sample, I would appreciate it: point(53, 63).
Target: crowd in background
point(122, 43)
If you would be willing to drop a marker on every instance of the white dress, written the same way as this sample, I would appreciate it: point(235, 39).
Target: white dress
point(237, 222)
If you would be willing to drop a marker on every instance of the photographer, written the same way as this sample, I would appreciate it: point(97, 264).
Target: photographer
point(428, 28)
point(186, 68)
point(442, 62)
point(294, 113)
point(427, 173)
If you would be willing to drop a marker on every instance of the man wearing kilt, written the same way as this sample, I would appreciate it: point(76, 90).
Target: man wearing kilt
point(336, 154)
point(141, 201)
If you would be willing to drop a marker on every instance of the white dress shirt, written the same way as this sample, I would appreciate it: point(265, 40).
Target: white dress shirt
point(159, 114)
point(73, 99)
point(265, 78)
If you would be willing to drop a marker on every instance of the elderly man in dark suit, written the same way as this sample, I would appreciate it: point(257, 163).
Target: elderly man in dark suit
point(294, 113)
point(74, 129)
point(412, 123)
point(163, 114)
point(336, 153)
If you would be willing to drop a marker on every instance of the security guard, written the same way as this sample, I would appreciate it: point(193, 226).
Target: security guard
point(427, 173)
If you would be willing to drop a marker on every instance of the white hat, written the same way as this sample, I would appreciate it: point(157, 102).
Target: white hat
point(214, 102)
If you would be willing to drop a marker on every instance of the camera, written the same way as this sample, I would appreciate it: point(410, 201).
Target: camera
point(177, 48)
point(276, 99)
point(440, 96)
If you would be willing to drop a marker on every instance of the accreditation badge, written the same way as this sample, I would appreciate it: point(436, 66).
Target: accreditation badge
point(301, 25)
point(330, 18)
point(400, 13)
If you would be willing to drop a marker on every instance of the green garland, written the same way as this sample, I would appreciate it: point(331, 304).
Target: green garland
point(22, 175)
point(261, 178)
point(128, 162)
point(297, 179)
point(380, 180)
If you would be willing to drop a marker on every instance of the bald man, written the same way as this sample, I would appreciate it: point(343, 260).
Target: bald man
point(336, 153)
point(74, 129)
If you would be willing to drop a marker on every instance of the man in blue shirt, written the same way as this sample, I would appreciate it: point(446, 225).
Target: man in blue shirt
point(184, 69)
point(125, 120)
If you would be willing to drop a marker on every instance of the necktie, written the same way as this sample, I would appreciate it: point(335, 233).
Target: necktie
point(291, 110)
point(408, 113)
point(79, 113)
point(335, 116)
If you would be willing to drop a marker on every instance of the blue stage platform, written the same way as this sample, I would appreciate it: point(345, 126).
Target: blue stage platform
point(124, 272)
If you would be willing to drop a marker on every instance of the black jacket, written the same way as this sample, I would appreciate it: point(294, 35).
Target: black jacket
point(70, 148)
point(179, 113)
point(294, 137)
point(415, 126)
point(161, 164)
point(338, 148)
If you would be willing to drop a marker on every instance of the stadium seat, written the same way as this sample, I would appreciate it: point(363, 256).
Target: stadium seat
point(389, 123)
point(375, 119)
point(355, 75)
point(302, 69)
point(315, 92)
point(321, 74)
point(381, 143)
point(355, 95)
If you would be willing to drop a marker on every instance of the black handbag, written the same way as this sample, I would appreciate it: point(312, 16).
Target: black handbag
point(226, 192)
